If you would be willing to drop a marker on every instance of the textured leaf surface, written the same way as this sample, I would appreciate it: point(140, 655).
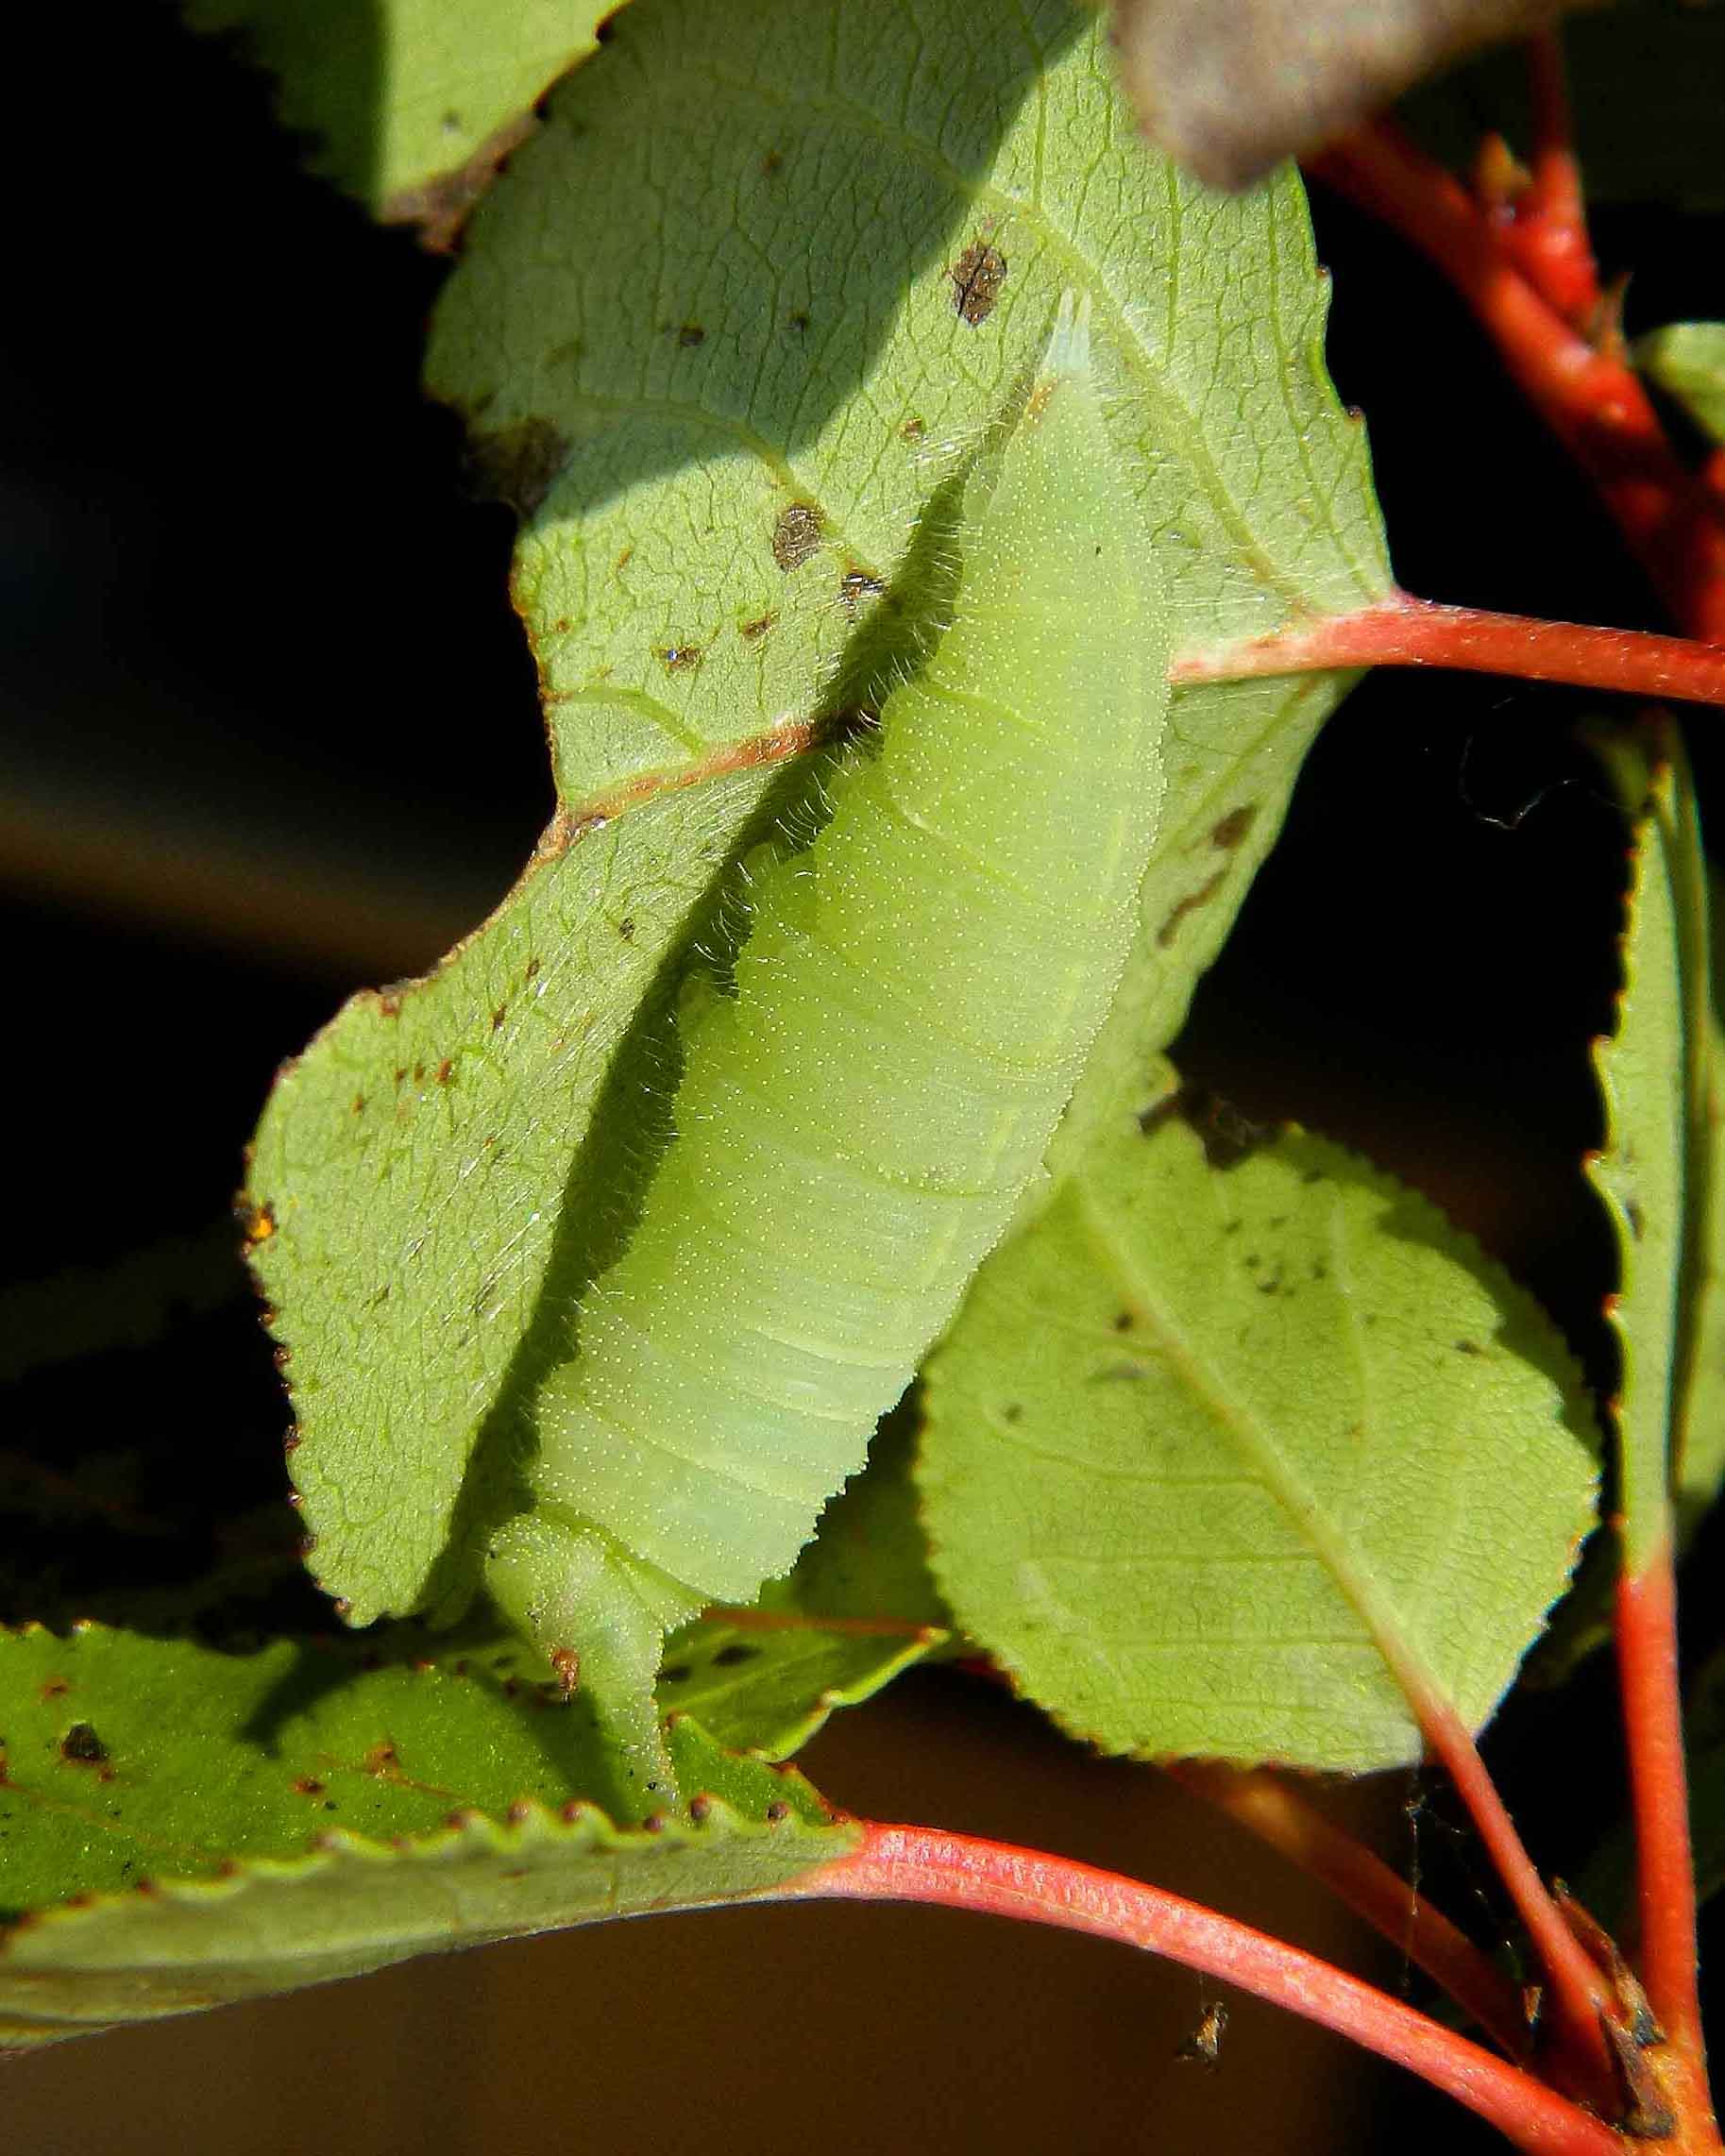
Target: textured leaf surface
point(1660, 1172)
point(1687, 361)
point(409, 104)
point(331, 1780)
point(715, 338)
point(1215, 1448)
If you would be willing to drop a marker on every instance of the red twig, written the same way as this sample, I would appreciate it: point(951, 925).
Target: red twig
point(1652, 1714)
point(1284, 1817)
point(924, 1865)
point(1579, 1998)
point(1404, 631)
point(1592, 400)
point(1546, 229)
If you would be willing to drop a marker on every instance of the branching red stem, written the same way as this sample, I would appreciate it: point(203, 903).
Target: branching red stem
point(1578, 1994)
point(925, 1865)
point(1406, 631)
point(1546, 229)
point(1591, 399)
point(1652, 1714)
point(1280, 1814)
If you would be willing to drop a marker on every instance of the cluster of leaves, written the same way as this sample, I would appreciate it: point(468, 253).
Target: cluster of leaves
point(1279, 1447)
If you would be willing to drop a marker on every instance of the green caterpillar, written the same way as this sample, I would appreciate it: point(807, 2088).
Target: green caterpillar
point(859, 1124)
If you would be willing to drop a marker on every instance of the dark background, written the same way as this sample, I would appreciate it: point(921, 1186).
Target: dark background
point(267, 733)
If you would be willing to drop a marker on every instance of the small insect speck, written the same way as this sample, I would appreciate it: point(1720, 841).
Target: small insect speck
point(796, 535)
point(1205, 2043)
point(679, 657)
point(978, 276)
point(690, 335)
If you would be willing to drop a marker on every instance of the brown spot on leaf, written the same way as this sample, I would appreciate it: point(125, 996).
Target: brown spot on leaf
point(771, 163)
point(625, 928)
point(308, 1785)
point(56, 1688)
point(441, 205)
point(259, 1224)
point(796, 535)
point(731, 1657)
point(778, 1812)
point(752, 631)
point(856, 585)
point(1190, 903)
point(531, 969)
point(1228, 834)
point(519, 463)
point(445, 1070)
point(913, 429)
point(81, 1745)
point(1227, 1136)
point(978, 276)
point(357, 1107)
point(1013, 1413)
point(498, 1016)
point(679, 657)
point(617, 567)
point(700, 1809)
point(567, 1665)
point(690, 335)
point(799, 322)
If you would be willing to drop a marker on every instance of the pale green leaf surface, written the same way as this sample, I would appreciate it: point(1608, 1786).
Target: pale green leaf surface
point(1213, 1450)
point(408, 103)
point(1654, 1172)
point(374, 1806)
point(715, 290)
point(411, 1185)
point(1687, 361)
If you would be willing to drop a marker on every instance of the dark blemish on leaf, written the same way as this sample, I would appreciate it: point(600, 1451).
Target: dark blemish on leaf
point(498, 1016)
point(1189, 905)
point(978, 276)
point(700, 1809)
point(690, 335)
point(799, 322)
point(1151, 1120)
point(308, 1785)
point(1227, 1136)
point(771, 163)
point(56, 1688)
point(1637, 1223)
point(259, 1224)
point(606, 29)
point(1319, 1270)
point(400, 1072)
point(381, 1758)
point(1013, 1413)
point(82, 1745)
point(856, 585)
point(729, 1658)
point(617, 567)
point(1469, 1347)
point(679, 1672)
point(679, 657)
point(1233, 827)
point(565, 1665)
point(1252, 1261)
point(519, 463)
point(778, 1812)
point(654, 1822)
point(531, 969)
point(389, 1002)
point(445, 1070)
point(420, 1074)
point(358, 1106)
point(796, 535)
point(1125, 1321)
point(913, 429)
point(758, 627)
point(625, 928)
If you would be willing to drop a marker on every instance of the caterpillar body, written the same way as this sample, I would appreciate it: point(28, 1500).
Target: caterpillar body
point(859, 1124)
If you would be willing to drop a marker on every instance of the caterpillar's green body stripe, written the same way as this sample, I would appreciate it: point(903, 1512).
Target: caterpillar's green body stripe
point(857, 1126)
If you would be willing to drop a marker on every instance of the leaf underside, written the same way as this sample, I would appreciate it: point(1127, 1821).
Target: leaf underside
point(1237, 1435)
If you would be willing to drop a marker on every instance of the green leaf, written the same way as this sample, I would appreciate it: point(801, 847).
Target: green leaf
point(1656, 1174)
point(1221, 1449)
point(233, 1824)
point(1687, 361)
point(411, 104)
